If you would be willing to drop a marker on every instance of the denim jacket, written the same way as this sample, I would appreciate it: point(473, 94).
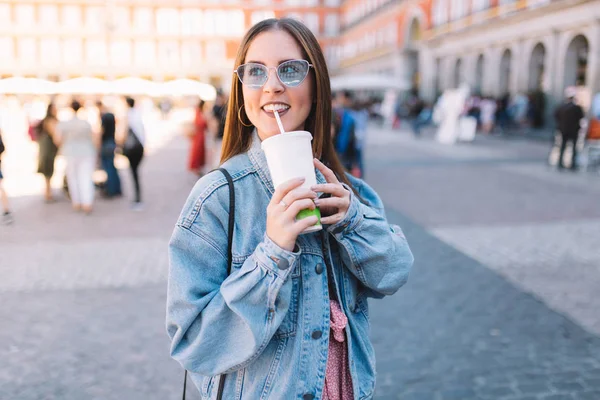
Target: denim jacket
point(266, 325)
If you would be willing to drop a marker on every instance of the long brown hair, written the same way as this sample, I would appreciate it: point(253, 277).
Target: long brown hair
point(237, 137)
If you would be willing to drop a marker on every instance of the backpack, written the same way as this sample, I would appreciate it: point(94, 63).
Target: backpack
point(2, 148)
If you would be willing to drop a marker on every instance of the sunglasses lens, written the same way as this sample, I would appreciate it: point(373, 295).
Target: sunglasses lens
point(292, 73)
point(253, 75)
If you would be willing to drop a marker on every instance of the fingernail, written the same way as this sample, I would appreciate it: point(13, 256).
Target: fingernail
point(317, 202)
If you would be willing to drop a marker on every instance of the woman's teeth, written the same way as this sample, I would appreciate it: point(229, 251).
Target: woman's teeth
point(276, 107)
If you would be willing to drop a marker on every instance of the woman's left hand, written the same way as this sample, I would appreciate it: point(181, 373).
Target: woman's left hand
point(334, 208)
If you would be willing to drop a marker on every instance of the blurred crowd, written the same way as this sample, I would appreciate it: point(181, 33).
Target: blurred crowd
point(88, 137)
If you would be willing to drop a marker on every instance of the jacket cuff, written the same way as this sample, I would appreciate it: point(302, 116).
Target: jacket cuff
point(350, 220)
point(276, 260)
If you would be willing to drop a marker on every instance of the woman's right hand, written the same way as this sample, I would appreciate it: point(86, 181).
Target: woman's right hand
point(287, 201)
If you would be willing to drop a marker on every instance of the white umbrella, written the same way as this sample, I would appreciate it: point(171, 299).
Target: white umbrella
point(367, 82)
point(17, 85)
point(187, 87)
point(133, 86)
point(83, 86)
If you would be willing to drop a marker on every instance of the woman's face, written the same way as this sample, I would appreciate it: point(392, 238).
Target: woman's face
point(271, 48)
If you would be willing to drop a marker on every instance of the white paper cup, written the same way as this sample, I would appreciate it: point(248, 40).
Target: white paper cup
point(289, 155)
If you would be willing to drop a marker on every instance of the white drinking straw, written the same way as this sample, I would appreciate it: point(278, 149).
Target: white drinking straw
point(279, 121)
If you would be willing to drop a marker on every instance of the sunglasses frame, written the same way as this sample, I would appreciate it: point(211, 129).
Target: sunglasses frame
point(235, 71)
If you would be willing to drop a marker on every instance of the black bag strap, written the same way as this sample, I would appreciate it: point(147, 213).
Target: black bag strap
point(229, 262)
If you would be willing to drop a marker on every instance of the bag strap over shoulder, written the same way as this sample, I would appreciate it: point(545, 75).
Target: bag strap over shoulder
point(229, 262)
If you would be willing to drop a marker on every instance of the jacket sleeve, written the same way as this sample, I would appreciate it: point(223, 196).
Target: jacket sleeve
point(217, 323)
point(374, 251)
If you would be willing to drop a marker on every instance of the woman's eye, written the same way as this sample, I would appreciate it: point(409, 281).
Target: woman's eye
point(256, 71)
point(288, 69)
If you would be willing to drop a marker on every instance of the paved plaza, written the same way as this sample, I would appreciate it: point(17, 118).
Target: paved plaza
point(502, 303)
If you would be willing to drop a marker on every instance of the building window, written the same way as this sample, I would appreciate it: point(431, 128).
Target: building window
point(293, 3)
point(96, 52)
point(209, 22)
point(191, 55)
point(215, 51)
point(222, 24)
point(94, 19)
point(440, 12)
point(48, 15)
point(312, 22)
point(143, 19)
point(5, 14)
point(27, 50)
point(7, 48)
point(120, 53)
point(295, 15)
point(458, 9)
point(191, 22)
point(311, 3)
point(236, 21)
point(71, 16)
point(332, 25)
point(121, 20)
point(391, 35)
point(145, 53)
point(168, 53)
point(258, 16)
point(167, 21)
point(504, 2)
point(480, 5)
point(332, 3)
point(50, 52)
point(72, 52)
point(25, 14)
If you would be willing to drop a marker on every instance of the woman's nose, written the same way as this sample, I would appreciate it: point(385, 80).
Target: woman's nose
point(273, 84)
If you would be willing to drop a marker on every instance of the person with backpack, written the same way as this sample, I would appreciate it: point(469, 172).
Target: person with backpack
point(345, 139)
point(7, 217)
point(290, 321)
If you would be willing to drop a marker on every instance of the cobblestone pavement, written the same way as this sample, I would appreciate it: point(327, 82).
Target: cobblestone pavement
point(500, 304)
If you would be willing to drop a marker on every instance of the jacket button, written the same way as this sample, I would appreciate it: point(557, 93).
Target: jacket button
point(319, 269)
point(283, 264)
point(317, 335)
point(308, 396)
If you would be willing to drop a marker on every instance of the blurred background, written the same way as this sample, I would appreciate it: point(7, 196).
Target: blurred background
point(477, 121)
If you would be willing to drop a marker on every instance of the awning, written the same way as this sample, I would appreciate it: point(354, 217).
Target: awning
point(367, 82)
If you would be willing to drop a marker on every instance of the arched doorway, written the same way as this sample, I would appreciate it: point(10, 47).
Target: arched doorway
point(458, 74)
point(412, 52)
point(478, 89)
point(505, 64)
point(536, 68)
point(576, 62)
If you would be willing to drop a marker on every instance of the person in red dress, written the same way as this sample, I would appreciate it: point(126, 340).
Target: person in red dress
point(198, 149)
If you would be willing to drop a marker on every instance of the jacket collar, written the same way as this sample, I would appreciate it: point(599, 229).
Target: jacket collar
point(259, 161)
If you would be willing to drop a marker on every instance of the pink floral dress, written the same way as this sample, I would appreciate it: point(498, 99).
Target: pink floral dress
point(338, 381)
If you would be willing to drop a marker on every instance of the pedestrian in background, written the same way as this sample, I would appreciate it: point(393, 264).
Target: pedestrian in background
point(345, 130)
point(133, 148)
point(267, 317)
point(488, 114)
point(217, 127)
point(197, 156)
point(75, 139)
point(568, 118)
point(46, 134)
point(7, 217)
point(360, 114)
point(108, 145)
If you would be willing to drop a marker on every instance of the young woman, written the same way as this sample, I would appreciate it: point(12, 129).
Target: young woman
point(76, 141)
point(48, 148)
point(291, 320)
